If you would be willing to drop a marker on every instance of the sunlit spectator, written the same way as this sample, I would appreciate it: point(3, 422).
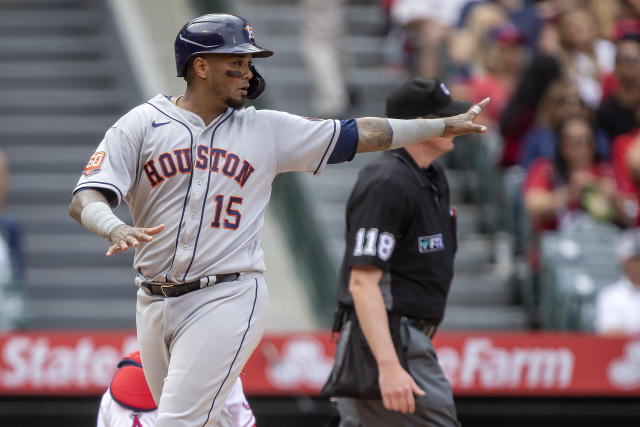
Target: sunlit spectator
point(618, 305)
point(427, 23)
point(585, 57)
point(502, 58)
point(466, 43)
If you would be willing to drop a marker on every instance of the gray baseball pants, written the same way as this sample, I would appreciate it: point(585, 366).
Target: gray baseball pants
point(193, 347)
point(435, 408)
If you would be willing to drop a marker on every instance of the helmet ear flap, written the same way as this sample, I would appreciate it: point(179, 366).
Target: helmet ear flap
point(257, 85)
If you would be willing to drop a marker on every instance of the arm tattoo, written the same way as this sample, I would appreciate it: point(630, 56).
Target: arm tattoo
point(374, 134)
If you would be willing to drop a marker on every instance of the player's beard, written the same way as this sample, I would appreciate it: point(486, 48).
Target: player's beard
point(236, 104)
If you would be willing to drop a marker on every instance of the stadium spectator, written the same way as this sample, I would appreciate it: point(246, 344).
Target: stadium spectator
point(560, 102)
point(555, 191)
point(465, 44)
point(618, 304)
point(427, 25)
point(585, 57)
point(502, 58)
point(520, 113)
point(628, 18)
point(523, 14)
point(10, 230)
point(616, 113)
point(323, 50)
point(12, 310)
point(626, 162)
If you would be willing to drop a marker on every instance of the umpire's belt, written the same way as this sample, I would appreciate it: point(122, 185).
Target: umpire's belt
point(429, 329)
point(177, 289)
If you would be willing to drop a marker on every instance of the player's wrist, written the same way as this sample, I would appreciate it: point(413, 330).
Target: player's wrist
point(98, 218)
point(407, 132)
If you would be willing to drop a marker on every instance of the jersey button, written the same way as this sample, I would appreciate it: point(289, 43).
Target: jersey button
point(193, 216)
point(186, 247)
point(199, 182)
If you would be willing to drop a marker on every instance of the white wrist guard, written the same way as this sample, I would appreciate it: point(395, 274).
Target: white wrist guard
point(407, 132)
point(98, 218)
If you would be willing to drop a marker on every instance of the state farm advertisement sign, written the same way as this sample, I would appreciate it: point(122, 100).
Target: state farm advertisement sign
point(475, 364)
point(518, 364)
point(54, 363)
point(540, 364)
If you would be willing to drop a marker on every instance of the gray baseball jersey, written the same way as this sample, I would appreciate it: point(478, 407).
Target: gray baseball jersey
point(209, 185)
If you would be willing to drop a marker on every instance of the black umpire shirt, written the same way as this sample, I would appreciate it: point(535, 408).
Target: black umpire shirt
point(399, 220)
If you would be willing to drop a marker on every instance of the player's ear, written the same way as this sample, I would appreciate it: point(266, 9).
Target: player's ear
point(201, 67)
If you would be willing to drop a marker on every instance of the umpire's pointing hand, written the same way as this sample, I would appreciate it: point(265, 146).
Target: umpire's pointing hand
point(125, 236)
point(464, 123)
point(397, 388)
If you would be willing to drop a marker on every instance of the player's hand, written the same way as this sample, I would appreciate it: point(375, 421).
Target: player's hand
point(125, 236)
point(397, 388)
point(464, 123)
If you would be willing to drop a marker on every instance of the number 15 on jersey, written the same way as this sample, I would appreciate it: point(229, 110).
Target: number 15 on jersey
point(232, 216)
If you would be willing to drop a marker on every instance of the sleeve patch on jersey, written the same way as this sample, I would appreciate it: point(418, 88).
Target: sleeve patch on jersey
point(94, 163)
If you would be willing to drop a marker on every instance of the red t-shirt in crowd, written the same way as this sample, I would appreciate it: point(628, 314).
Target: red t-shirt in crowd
point(620, 147)
point(542, 175)
point(486, 85)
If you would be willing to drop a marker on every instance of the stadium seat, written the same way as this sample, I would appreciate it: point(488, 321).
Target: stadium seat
point(575, 265)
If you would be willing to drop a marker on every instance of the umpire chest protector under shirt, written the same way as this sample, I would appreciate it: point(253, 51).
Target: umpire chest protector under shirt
point(399, 220)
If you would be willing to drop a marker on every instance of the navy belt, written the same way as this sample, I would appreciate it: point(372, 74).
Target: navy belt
point(178, 289)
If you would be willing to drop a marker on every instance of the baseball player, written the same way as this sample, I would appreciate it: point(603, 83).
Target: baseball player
point(128, 401)
point(196, 173)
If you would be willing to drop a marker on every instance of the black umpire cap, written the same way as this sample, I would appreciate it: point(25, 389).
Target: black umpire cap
point(421, 97)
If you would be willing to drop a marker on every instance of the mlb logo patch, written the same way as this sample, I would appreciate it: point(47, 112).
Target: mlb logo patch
point(430, 243)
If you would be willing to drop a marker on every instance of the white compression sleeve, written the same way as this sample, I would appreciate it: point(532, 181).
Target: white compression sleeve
point(98, 218)
point(407, 132)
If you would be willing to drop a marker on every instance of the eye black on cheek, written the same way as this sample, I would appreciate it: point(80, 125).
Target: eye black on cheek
point(233, 74)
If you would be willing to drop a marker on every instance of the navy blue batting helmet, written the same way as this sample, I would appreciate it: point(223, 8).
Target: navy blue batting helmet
point(215, 33)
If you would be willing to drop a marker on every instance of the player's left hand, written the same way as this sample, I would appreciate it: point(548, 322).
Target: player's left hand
point(464, 123)
point(125, 236)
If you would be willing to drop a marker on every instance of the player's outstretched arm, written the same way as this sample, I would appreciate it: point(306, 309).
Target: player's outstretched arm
point(90, 208)
point(378, 134)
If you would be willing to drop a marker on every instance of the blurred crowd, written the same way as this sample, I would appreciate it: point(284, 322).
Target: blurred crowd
point(11, 259)
point(564, 117)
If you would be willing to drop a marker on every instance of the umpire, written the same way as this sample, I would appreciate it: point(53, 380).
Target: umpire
point(396, 272)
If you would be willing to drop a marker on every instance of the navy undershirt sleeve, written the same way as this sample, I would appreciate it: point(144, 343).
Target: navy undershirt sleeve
point(111, 196)
point(347, 143)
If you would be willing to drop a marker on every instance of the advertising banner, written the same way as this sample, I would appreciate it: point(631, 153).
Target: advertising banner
point(476, 364)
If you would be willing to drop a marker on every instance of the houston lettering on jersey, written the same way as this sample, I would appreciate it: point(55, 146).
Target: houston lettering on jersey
point(167, 165)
